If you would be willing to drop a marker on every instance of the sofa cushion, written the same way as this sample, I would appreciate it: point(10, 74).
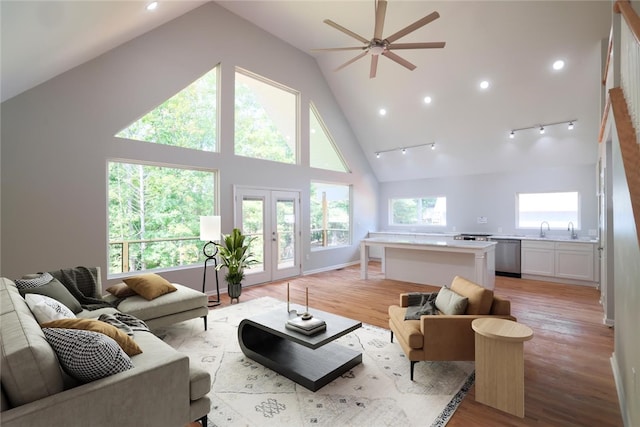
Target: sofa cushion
point(480, 299)
point(124, 341)
point(87, 355)
point(46, 309)
point(184, 299)
point(30, 369)
point(56, 290)
point(150, 286)
point(449, 302)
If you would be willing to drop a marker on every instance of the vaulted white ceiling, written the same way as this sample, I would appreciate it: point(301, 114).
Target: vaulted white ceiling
point(512, 45)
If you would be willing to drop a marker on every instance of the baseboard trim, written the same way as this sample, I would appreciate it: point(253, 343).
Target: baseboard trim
point(330, 268)
point(621, 396)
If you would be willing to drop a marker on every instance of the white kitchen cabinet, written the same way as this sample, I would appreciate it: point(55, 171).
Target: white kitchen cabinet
point(575, 261)
point(568, 262)
point(538, 258)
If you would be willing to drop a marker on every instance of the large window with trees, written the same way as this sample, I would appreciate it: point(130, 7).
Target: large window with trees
point(266, 119)
point(330, 215)
point(418, 211)
point(154, 215)
point(558, 209)
point(188, 119)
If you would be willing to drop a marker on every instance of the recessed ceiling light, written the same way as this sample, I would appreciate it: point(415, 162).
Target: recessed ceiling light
point(484, 84)
point(152, 6)
point(427, 100)
point(558, 65)
point(383, 112)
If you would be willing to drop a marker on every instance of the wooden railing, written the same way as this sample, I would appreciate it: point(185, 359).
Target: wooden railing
point(630, 60)
point(629, 148)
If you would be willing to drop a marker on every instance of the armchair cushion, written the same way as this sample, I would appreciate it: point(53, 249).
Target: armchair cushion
point(480, 299)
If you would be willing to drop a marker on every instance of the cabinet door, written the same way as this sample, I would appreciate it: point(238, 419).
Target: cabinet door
point(577, 265)
point(538, 261)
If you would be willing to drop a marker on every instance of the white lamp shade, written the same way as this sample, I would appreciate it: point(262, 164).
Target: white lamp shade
point(210, 228)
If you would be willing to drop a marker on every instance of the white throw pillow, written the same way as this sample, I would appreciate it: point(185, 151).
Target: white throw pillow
point(46, 309)
point(449, 302)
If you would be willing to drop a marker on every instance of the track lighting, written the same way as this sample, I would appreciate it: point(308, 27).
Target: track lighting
point(542, 127)
point(403, 150)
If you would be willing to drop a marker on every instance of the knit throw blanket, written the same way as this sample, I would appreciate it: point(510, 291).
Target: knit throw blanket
point(82, 282)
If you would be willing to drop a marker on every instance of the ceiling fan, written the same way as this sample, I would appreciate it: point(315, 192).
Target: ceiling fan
point(378, 46)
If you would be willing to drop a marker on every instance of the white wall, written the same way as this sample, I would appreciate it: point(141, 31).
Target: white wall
point(58, 137)
point(494, 196)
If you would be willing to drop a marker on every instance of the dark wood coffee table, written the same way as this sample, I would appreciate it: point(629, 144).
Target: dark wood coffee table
point(311, 361)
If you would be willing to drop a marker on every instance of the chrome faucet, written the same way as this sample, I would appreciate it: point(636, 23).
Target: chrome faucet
point(573, 233)
point(542, 233)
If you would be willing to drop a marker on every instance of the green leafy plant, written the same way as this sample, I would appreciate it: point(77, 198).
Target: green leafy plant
point(235, 255)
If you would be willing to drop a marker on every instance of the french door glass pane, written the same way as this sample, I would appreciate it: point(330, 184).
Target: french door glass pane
point(285, 212)
point(253, 227)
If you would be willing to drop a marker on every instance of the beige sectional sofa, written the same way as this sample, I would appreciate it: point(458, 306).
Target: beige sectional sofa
point(161, 389)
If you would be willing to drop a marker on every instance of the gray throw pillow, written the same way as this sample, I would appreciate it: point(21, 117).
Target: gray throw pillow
point(58, 292)
point(449, 302)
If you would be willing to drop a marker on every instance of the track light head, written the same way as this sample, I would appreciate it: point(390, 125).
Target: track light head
point(377, 155)
point(512, 135)
point(404, 151)
point(570, 127)
point(433, 146)
point(541, 130)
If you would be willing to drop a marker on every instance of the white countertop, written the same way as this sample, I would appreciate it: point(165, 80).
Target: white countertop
point(430, 241)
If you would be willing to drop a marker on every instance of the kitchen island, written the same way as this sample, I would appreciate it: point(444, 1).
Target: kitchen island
point(432, 261)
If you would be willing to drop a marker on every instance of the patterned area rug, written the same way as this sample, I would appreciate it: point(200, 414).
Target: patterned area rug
point(378, 392)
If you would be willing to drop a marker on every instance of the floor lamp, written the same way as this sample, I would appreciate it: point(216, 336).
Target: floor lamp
point(210, 232)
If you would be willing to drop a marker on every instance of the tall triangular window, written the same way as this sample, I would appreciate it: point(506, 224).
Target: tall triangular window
point(189, 119)
point(265, 119)
point(323, 152)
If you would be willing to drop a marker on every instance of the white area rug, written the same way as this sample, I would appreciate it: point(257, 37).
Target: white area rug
point(377, 392)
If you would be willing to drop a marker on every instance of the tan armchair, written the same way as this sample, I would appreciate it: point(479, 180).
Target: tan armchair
point(445, 337)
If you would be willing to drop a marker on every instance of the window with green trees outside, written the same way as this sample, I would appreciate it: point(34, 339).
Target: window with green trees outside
point(266, 119)
point(330, 215)
point(418, 211)
point(188, 119)
point(154, 215)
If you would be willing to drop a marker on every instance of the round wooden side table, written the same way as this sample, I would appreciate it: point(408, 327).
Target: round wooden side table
point(500, 363)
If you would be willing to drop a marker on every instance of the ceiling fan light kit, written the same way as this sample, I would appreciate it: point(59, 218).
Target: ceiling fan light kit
point(378, 45)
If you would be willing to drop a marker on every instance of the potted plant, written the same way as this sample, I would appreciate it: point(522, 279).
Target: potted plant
point(234, 254)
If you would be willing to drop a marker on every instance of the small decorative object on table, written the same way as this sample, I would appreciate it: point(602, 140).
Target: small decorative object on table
point(304, 323)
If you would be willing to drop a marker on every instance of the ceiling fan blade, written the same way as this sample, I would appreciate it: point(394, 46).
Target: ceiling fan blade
point(344, 30)
point(408, 29)
point(428, 45)
point(392, 56)
point(351, 61)
point(329, 49)
point(381, 10)
point(374, 66)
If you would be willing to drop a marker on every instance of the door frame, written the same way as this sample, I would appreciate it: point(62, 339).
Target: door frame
point(270, 196)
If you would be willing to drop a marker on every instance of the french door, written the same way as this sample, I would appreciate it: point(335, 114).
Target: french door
point(272, 217)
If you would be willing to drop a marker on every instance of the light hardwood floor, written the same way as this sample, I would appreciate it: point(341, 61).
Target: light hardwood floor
point(568, 377)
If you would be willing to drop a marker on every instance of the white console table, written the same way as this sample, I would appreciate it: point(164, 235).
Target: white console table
point(432, 261)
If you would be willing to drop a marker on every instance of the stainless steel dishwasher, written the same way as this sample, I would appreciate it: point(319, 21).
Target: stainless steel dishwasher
point(507, 256)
